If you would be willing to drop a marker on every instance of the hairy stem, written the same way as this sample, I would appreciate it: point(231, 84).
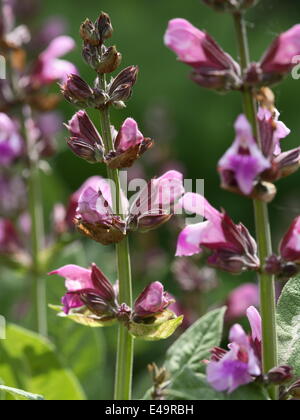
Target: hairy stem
point(263, 232)
point(125, 351)
point(37, 227)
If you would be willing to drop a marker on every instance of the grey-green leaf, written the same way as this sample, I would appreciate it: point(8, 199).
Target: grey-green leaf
point(288, 322)
point(189, 385)
point(195, 344)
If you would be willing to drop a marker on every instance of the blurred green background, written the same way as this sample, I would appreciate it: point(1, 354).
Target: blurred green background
point(192, 128)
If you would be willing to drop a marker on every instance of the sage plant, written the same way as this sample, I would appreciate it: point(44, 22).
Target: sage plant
point(103, 212)
point(251, 167)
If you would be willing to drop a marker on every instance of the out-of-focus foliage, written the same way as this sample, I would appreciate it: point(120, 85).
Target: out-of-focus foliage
point(191, 126)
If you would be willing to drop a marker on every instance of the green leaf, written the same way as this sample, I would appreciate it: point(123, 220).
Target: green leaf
point(195, 344)
point(29, 362)
point(18, 394)
point(288, 321)
point(84, 317)
point(251, 392)
point(189, 385)
point(164, 326)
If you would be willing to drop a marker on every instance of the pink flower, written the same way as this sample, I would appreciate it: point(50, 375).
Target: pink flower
point(279, 57)
point(227, 371)
point(240, 300)
point(155, 204)
point(153, 300)
point(213, 67)
point(49, 67)
point(85, 140)
point(233, 248)
point(290, 245)
point(82, 283)
point(129, 144)
point(11, 143)
point(272, 131)
point(243, 162)
point(73, 202)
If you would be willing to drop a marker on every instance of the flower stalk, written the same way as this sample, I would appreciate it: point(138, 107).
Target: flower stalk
point(125, 350)
point(267, 282)
point(37, 228)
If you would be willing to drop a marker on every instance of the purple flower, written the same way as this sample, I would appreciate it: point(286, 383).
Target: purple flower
point(290, 245)
point(272, 132)
point(129, 144)
point(11, 143)
point(152, 301)
point(95, 217)
point(213, 68)
point(233, 248)
point(244, 161)
point(49, 67)
point(82, 284)
point(156, 203)
point(73, 201)
point(153, 206)
point(241, 364)
point(85, 140)
point(279, 57)
point(240, 299)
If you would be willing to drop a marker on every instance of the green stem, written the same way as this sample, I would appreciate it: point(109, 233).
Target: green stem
point(263, 232)
point(125, 351)
point(37, 228)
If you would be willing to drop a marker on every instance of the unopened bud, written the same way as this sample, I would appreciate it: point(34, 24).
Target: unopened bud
point(88, 33)
point(85, 151)
point(264, 191)
point(110, 61)
point(104, 26)
point(121, 87)
point(77, 91)
point(280, 375)
point(97, 305)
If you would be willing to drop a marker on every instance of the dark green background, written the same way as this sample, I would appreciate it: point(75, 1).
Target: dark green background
point(200, 130)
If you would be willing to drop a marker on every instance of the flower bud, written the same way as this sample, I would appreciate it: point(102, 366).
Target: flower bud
point(154, 206)
point(213, 68)
point(110, 61)
point(280, 375)
point(290, 245)
point(279, 58)
point(102, 285)
point(85, 141)
point(104, 26)
point(89, 33)
point(152, 301)
point(77, 91)
point(97, 305)
point(130, 144)
point(120, 88)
